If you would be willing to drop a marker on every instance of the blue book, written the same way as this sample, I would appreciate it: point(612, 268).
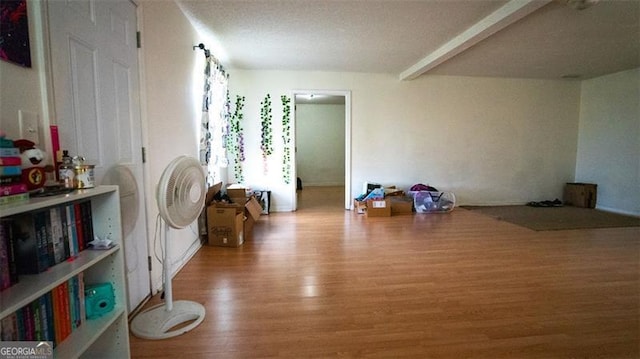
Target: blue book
point(10, 170)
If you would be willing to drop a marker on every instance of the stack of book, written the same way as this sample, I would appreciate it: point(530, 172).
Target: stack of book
point(11, 188)
point(50, 317)
point(31, 243)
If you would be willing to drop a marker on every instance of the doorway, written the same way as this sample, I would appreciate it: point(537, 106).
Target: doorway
point(323, 145)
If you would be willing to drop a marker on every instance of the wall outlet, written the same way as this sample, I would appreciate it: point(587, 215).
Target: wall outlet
point(29, 126)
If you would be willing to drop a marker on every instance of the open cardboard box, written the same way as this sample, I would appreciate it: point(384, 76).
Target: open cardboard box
point(230, 224)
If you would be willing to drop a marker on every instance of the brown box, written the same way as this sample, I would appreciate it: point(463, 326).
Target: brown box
point(225, 226)
point(379, 207)
point(252, 211)
point(401, 205)
point(360, 206)
point(248, 208)
point(580, 195)
point(236, 193)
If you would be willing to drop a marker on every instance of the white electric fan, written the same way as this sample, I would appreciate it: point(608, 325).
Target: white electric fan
point(180, 197)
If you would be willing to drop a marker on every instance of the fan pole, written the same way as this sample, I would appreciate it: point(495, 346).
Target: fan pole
point(168, 296)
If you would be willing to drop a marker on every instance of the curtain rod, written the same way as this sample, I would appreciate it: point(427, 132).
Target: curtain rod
point(201, 47)
point(208, 55)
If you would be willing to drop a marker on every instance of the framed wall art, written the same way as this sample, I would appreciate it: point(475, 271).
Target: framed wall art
point(14, 32)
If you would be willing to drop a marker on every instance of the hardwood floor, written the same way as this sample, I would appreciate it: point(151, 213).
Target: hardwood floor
point(328, 283)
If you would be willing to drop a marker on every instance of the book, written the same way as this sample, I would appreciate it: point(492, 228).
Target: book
point(57, 310)
point(14, 198)
point(45, 236)
point(56, 235)
point(37, 323)
point(50, 321)
point(6, 143)
point(31, 252)
point(13, 188)
point(9, 270)
point(45, 248)
point(9, 328)
point(5, 278)
point(5, 180)
point(10, 170)
point(87, 222)
point(13, 266)
point(61, 312)
point(20, 324)
point(66, 319)
point(29, 325)
point(74, 300)
point(71, 229)
point(44, 318)
point(9, 152)
point(83, 310)
point(10, 161)
point(65, 231)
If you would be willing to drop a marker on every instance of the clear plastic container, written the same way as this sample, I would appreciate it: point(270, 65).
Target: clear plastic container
point(433, 202)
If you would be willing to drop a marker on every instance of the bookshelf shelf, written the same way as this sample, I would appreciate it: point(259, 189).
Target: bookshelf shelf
point(106, 336)
point(32, 286)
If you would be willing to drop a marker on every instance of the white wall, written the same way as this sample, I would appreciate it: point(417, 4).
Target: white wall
point(173, 78)
point(489, 140)
point(320, 144)
point(609, 140)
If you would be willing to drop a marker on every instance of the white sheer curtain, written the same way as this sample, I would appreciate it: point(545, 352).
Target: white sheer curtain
point(215, 120)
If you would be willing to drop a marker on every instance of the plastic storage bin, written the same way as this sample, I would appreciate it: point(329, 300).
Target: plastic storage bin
point(433, 202)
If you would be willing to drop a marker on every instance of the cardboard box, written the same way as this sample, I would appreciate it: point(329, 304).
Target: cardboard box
point(360, 206)
point(248, 208)
point(225, 226)
point(580, 195)
point(237, 193)
point(401, 205)
point(379, 208)
point(252, 210)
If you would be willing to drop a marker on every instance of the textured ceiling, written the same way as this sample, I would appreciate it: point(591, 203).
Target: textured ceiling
point(391, 36)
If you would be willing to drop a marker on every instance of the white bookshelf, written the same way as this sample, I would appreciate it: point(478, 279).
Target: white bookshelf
point(107, 336)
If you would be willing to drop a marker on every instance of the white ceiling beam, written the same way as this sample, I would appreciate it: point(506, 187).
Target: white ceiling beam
point(509, 13)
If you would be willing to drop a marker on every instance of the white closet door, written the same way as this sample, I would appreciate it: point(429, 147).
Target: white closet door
point(97, 110)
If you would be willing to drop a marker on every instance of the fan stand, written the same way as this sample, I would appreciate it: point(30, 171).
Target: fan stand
point(158, 321)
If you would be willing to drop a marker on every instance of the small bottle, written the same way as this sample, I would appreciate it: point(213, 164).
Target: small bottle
point(66, 159)
point(65, 171)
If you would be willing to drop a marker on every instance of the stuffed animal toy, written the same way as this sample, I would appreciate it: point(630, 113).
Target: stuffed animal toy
point(33, 164)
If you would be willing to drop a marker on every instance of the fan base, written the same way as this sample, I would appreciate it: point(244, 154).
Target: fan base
point(159, 323)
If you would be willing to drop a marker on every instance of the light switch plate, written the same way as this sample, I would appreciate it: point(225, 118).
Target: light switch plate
point(29, 126)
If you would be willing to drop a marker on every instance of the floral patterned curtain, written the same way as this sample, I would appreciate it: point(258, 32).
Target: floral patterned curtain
point(215, 120)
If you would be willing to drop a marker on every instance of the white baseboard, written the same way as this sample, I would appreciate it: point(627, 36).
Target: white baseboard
point(618, 211)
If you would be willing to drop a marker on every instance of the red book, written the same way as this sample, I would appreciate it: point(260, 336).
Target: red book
point(11, 161)
point(66, 308)
point(16, 188)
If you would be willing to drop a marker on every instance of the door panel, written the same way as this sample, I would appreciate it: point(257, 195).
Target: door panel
point(97, 110)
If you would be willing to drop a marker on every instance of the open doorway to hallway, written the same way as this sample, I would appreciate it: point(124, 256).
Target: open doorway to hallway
point(322, 149)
